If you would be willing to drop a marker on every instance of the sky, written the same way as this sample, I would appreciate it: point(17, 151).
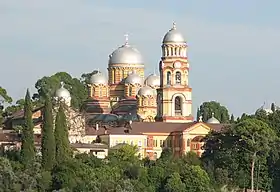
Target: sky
point(234, 46)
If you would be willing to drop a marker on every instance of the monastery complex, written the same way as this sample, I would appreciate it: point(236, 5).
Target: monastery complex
point(126, 106)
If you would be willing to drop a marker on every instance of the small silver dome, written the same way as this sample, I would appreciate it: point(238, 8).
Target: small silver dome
point(146, 91)
point(213, 120)
point(134, 78)
point(62, 92)
point(173, 36)
point(153, 80)
point(98, 78)
point(126, 54)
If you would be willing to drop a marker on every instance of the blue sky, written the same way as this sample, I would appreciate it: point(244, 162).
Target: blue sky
point(233, 45)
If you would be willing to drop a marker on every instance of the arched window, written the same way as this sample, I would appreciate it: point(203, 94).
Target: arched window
point(168, 78)
point(178, 77)
point(130, 91)
point(178, 106)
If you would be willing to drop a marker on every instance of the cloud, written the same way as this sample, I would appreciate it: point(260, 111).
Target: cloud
point(78, 36)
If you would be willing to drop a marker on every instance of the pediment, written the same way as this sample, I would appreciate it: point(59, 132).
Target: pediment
point(199, 129)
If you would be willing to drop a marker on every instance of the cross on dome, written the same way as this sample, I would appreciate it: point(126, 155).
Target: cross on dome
point(174, 25)
point(62, 84)
point(126, 38)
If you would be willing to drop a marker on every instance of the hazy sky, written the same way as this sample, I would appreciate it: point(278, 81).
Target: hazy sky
point(234, 46)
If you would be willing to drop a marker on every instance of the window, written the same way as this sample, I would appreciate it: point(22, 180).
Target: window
point(161, 143)
point(130, 91)
point(178, 77)
point(100, 92)
point(168, 78)
point(155, 143)
point(178, 106)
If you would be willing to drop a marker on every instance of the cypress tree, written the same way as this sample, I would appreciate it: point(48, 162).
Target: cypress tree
point(27, 147)
point(231, 118)
point(48, 142)
point(63, 150)
point(273, 108)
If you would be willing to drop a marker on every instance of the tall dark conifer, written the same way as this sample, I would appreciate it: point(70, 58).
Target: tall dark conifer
point(231, 118)
point(27, 148)
point(48, 141)
point(273, 108)
point(61, 136)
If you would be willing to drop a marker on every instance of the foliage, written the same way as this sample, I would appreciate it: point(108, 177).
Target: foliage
point(28, 148)
point(47, 86)
point(63, 150)
point(4, 98)
point(220, 112)
point(48, 141)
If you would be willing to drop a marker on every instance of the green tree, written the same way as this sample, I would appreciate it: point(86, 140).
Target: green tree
point(85, 77)
point(175, 184)
point(27, 148)
point(48, 141)
point(48, 86)
point(232, 119)
point(220, 111)
point(7, 176)
point(195, 179)
point(4, 98)
point(63, 149)
point(257, 138)
point(273, 108)
point(14, 108)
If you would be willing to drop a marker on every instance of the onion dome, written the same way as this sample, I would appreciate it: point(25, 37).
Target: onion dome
point(133, 78)
point(98, 78)
point(173, 36)
point(153, 80)
point(146, 91)
point(213, 120)
point(62, 92)
point(126, 54)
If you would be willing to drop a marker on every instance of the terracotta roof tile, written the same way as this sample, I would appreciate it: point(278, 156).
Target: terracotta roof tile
point(143, 127)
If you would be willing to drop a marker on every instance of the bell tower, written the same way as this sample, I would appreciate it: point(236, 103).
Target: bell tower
point(174, 97)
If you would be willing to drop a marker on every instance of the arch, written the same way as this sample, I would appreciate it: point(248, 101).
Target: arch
point(178, 77)
point(178, 106)
point(168, 78)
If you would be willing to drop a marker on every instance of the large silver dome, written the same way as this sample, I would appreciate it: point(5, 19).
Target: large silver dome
point(126, 54)
point(98, 78)
point(146, 91)
point(173, 36)
point(213, 120)
point(134, 78)
point(62, 92)
point(153, 80)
